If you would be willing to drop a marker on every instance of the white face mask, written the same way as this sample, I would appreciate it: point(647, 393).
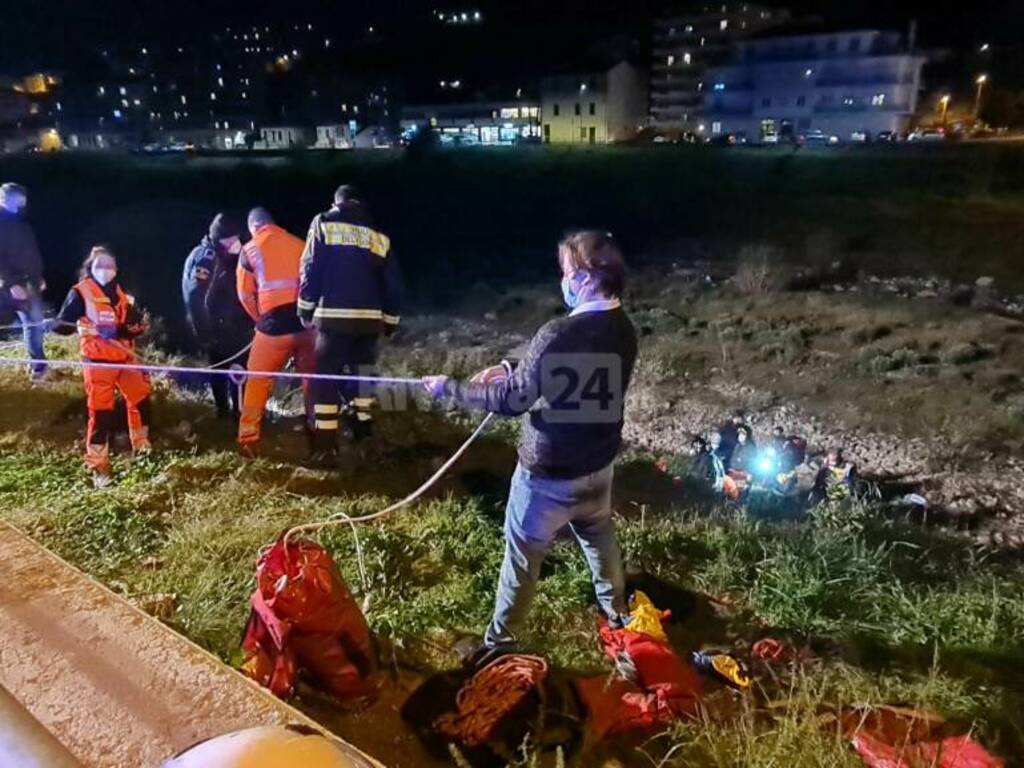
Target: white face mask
point(103, 275)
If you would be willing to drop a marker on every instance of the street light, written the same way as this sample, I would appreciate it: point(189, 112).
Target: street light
point(980, 82)
point(944, 102)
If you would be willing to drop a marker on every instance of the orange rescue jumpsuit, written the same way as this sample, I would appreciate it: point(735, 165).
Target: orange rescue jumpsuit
point(98, 331)
point(268, 287)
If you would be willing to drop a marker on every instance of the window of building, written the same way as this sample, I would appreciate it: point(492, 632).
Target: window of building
point(854, 44)
point(716, 127)
point(577, 108)
point(583, 133)
point(593, 108)
point(554, 110)
point(687, 58)
point(766, 101)
point(547, 133)
point(723, 25)
point(878, 100)
point(671, 31)
point(848, 101)
point(689, 28)
point(670, 60)
point(801, 101)
point(719, 86)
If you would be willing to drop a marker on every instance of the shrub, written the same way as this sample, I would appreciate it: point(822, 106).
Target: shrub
point(965, 354)
point(759, 272)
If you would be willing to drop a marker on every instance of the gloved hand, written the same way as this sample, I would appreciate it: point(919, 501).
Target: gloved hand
point(494, 373)
point(435, 385)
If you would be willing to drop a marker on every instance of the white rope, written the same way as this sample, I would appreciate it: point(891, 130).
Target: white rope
point(158, 369)
point(341, 518)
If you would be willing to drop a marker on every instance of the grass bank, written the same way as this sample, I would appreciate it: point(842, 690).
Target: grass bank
point(889, 613)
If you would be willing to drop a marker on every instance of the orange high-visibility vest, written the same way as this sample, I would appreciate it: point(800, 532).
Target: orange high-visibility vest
point(268, 270)
point(102, 317)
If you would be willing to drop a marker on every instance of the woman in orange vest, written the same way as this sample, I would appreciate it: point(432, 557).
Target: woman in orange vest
point(107, 322)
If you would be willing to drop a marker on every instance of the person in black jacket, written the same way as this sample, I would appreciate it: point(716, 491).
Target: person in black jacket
point(570, 389)
point(21, 273)
point(219, 322)
point(349, 290)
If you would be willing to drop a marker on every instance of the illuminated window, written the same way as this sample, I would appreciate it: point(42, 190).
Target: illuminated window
point(878, 100)
point(689, 28)
point(123, 91)
point(124, 102)
point(670, 60)
point(723, 25)
point(117, 113)
point(719, 86)
point(716, 127)
point(808, 73)
point(101, 91)
point(534, 112)
point(184, 100)
point(213, 96)
point(220, 81)
point(687, 58)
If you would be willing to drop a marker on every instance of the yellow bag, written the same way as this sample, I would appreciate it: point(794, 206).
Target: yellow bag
point(645, 618)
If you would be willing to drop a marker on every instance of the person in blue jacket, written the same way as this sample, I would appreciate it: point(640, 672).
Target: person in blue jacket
point(218, 321)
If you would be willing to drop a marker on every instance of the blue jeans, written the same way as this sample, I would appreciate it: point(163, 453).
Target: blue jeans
point(30, 315)
point(538, 508)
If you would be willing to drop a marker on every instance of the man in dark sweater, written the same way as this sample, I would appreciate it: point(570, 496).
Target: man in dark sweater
point(570, 388)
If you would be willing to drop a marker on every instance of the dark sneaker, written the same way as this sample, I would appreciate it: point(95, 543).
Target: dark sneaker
point(485, 654)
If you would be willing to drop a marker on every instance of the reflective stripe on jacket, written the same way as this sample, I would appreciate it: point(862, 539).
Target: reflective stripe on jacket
point(349, 277)
point(268, 271)
point(98, 327)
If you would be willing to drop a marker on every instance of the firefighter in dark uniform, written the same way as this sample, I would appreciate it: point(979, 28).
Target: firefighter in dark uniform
point(349, 291)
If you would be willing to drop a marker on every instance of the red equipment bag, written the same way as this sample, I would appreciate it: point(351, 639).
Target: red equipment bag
point(957, 752)
point(303, 617)
point(665, 689)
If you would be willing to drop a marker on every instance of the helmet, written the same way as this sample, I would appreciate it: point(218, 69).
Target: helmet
point(268, 747)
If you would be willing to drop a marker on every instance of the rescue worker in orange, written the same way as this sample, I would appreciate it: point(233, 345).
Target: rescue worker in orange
point(107, 322)
point(268, 287)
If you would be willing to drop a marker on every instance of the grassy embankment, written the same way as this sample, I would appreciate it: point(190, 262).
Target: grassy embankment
point(894, 614)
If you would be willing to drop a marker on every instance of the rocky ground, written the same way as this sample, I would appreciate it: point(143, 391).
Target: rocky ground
point(682, 388)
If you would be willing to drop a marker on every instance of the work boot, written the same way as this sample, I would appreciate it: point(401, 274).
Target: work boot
point(101, 480)
point(249, 450)
point(326, 459)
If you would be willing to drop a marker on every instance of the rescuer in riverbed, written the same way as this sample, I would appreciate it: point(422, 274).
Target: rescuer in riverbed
point(571, 386)
point(107, 322)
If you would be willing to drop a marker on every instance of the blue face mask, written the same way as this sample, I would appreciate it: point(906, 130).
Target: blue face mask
point(568, 294)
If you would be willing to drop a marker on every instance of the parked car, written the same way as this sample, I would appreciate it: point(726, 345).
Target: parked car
point(722, 140)
point(816, 137)
point(927, 135)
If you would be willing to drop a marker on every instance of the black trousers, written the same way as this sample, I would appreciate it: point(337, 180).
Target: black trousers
point(225, 392)
point(348, 401)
